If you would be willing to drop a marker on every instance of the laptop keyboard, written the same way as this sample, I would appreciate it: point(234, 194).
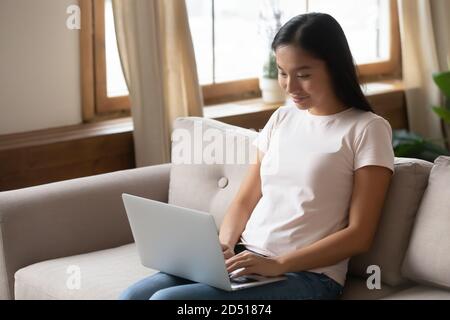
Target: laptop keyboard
point(242, 279)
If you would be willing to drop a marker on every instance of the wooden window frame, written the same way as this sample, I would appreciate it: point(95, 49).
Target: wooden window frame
point(98, 106)
point(384, 70)
point(389, 68)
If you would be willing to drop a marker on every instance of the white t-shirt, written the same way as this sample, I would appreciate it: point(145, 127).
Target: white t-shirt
point(307, 177)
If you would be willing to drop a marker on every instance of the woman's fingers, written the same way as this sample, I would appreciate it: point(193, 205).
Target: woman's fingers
point(240, 263)
point(227, 251)
point(228, 254)
point(244, 272)
point(237, 257)
point(237, 266)
point(250, 263)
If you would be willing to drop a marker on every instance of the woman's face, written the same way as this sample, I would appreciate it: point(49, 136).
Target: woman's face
point(305, 78)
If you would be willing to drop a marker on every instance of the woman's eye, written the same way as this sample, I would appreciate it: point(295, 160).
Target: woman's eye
point(303, 76)
point(282, 74)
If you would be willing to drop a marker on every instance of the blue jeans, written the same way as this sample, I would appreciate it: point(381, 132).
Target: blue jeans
point(298, 286)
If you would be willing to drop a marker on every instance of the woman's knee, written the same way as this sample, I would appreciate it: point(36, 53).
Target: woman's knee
point(195, 291)
point(173, 293)
point(133, 294)
point(145, 288)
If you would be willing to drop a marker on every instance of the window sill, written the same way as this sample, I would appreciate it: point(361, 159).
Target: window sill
point(244, 107)
point(68, 133)
point(125, 125)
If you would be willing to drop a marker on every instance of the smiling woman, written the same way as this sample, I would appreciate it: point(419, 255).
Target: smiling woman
point(319, 75)
point(314, 197)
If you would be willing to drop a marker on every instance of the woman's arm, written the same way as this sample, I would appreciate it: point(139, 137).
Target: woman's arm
point(242, 206)
point(369, 190)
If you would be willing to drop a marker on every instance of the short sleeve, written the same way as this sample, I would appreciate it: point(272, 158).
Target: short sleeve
point(262, 141)
point(374, 146)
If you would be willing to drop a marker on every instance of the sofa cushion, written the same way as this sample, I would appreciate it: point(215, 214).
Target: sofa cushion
point(356, 289)
point(391, 240)
point(209, 161)
point(420, 293)
point(427, 259)
point(70, 217)
point(103, 276)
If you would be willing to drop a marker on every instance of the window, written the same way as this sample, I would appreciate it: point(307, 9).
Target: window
point(228, 42)
point(104, 91)
point(115, 81)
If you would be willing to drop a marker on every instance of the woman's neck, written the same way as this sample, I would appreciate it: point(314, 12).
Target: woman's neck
point(328, 108)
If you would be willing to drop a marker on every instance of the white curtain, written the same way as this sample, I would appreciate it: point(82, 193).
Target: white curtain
point(158, 60)
point(420, 56)
point(441, 12)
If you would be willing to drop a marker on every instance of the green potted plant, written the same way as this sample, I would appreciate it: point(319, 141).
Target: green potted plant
point(442, 80)
point(409, 144)
point(270, 16)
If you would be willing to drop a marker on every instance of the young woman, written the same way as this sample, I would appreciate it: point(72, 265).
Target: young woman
point(314, 197)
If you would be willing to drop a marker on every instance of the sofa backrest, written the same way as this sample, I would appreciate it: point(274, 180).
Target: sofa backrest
point(408, 184)
point(211, 188)
point(427, 259)
point(70, 217)
point(206, 175)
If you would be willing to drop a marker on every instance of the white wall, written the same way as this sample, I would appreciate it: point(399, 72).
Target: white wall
point(39, 66)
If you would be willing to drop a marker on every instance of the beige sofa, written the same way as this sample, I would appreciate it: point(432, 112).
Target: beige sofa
point(72, 240)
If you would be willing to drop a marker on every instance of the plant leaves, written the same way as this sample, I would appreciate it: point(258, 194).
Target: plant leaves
point(406, 150)
point(411, 145)
point(434, 148)
point(270, 69)
point(443, 113)
point(400, 137)
point(442, 79)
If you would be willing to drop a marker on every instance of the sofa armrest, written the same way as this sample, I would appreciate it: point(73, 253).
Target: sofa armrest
point(70, 217)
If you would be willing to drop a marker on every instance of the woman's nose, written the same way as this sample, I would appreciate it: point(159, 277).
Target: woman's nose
point(292, 86)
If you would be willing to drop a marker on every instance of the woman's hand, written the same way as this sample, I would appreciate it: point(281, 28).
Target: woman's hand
point(228, 252)
point(253, 264)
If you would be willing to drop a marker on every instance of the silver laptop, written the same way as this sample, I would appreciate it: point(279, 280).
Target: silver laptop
point(183, 242)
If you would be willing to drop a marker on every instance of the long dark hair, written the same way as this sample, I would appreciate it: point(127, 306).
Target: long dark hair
point(322, 36)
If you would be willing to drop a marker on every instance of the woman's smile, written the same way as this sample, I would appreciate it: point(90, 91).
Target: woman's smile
point(299, 99)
